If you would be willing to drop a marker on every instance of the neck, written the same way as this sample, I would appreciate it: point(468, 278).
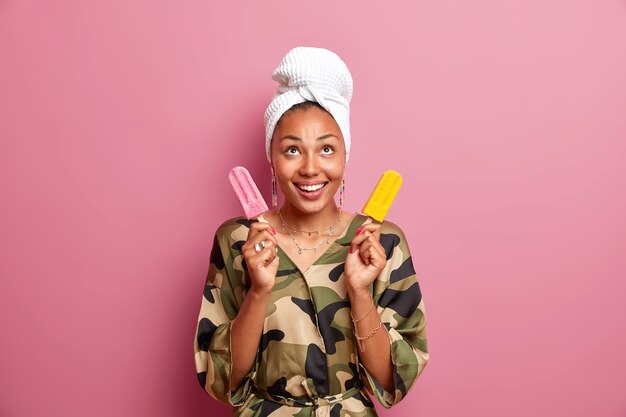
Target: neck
point(310, 221)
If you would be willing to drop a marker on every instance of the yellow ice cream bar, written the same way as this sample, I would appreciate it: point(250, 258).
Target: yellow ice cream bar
point(382, 197)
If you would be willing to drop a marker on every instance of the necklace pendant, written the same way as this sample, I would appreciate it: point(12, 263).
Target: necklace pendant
point(309, 233)
point(327, 240)
point(299, 251)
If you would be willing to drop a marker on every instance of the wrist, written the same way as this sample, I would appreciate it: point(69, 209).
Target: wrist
point(259, 292)
point(359, 292)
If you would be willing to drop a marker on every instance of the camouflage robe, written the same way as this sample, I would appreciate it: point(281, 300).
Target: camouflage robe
point(308, 349)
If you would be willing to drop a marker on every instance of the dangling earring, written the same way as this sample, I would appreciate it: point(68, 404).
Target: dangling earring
point(274, 191)
point(342, 191)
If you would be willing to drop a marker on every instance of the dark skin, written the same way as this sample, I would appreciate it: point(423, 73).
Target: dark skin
point(307, 148)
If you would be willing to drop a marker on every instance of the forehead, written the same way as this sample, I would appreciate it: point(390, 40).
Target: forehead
point(311, 122)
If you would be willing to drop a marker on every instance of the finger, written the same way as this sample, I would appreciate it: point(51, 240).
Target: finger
point(258, 234)
point(262, 236)
point(265, 235)
point(364, 246)
point(363, 233)
point(364, 256)
point(371, 256)
point(377, 246)
point(363, 250)
point(263, 258)
point(356, 241)
point(274, 261)
point(364, 225)
point(378, 256)
point(371, 228)
point(359, 253)
point(257, 227)
point(271, 247)
point(372, 247)
point(262, 241)
point(272, 254)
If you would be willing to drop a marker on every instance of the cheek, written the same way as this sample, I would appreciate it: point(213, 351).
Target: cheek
point(283, 173)
point(334, 169)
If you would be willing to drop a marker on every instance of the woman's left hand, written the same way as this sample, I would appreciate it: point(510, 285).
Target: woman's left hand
point(366, 259)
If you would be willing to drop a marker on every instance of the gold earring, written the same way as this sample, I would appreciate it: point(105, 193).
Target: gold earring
point(274, 191)
point(342, 191)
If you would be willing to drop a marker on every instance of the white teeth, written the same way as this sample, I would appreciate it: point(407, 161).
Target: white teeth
point(310, 187)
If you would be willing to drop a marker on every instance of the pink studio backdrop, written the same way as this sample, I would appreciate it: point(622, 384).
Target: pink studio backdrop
point(119, 123)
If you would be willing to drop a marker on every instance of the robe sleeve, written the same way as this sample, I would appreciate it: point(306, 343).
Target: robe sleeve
point(397, 295)
point(222, 296)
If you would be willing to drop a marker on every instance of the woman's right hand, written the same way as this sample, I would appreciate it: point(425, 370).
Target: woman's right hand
point(262, 266)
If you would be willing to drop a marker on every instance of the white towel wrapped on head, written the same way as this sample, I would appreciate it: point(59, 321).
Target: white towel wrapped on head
point(311, 74)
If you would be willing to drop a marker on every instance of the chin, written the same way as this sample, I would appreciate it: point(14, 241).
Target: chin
point(309, 207)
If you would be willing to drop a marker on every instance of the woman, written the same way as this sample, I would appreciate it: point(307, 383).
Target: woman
point(309, 306)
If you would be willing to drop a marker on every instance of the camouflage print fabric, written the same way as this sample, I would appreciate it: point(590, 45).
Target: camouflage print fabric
point(308, 349)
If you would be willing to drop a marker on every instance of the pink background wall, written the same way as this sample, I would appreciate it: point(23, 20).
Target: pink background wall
point(120, 120)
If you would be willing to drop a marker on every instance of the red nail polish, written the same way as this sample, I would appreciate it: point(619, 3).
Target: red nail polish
point(359, 231)
point(273, 231)
point(350, 249)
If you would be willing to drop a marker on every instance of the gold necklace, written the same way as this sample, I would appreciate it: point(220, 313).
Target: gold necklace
point(315, 248)
point(317, 232)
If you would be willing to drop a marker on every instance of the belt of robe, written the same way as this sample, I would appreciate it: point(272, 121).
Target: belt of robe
point(315, 401)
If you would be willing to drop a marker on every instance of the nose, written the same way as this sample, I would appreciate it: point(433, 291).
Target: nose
point(310, 166)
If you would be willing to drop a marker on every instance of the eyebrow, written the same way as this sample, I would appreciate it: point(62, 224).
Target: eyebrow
point(299, 139)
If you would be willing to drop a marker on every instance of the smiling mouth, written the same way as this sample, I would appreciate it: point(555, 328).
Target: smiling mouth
point(311, 188)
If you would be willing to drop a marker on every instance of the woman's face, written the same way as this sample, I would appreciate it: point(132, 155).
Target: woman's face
point(309, 156)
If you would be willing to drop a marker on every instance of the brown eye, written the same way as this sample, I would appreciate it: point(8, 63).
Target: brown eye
point(328, 150)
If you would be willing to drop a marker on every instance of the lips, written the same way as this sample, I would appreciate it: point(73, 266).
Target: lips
point(311, 187)
point(310, 191)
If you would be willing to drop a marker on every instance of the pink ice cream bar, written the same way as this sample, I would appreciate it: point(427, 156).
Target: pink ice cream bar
point(247, 192)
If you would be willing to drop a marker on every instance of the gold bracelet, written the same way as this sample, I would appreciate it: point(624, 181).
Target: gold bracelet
point(364, 315)
point(360, 339)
